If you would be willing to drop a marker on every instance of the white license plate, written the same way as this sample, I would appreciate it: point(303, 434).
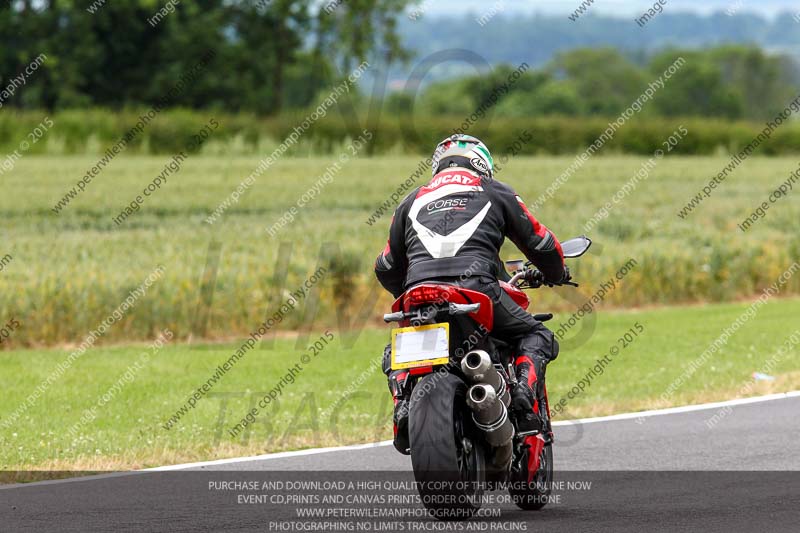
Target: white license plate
point(420, 346)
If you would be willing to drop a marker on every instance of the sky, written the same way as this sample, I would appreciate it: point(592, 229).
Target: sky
point(767, 8)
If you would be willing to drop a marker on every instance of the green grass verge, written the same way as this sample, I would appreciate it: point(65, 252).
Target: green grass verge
point(128, 430)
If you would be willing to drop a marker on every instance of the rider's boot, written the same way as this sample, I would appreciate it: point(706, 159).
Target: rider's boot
point(524, 400)
point(397, 385)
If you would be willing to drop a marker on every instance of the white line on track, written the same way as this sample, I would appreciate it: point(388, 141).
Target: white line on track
point(268, 456)
point(316, 451)
point(623, 416)
point(682, 409)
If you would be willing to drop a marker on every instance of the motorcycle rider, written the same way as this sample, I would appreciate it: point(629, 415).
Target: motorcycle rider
point(450, 231)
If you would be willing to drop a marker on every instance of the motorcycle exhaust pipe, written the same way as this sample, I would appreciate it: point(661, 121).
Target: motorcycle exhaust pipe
point(478, 368)
point(490, 414)
point(502, 456)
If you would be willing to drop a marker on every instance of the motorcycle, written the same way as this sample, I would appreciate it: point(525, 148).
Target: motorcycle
point(463, 438)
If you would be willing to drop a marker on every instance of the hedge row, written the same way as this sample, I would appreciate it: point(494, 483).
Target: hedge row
point(92, 131)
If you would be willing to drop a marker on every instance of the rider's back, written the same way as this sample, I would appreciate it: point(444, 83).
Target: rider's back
point(455, 225)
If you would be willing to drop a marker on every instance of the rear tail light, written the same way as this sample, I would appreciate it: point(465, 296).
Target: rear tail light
point(427, 294)
point(420, 370)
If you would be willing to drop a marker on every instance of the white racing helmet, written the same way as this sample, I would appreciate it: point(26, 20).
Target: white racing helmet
point(465, 151)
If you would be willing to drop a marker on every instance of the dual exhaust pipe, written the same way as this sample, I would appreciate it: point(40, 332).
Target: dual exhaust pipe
point(489, 399)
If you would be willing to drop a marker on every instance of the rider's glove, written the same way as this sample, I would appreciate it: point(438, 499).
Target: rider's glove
point(567, 276)
point(534, 278)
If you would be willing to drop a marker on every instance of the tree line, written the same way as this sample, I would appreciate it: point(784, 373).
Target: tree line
point(269, 55)
point(731, 82)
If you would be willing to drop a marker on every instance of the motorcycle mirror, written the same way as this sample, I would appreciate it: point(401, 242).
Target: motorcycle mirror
point(576, 247)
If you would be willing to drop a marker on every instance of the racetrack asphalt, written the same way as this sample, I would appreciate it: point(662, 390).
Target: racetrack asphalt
point(672, 471)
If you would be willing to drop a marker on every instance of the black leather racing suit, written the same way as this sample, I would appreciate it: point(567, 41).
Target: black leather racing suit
point(451, 230)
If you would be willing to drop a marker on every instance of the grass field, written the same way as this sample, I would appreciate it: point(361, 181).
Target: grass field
point(68, 271)
point(128, 431)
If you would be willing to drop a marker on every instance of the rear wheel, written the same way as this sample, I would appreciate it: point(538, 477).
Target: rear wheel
point(531, 493)
point(447, 458)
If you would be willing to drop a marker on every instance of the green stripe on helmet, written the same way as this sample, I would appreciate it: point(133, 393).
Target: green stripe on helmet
point(485, 152)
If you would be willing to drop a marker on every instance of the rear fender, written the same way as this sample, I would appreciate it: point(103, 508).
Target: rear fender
point(450, 293)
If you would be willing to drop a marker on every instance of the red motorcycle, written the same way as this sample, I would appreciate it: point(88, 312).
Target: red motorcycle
point(463, 438)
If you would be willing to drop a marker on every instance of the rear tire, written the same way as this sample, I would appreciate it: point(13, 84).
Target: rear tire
point(447, 458)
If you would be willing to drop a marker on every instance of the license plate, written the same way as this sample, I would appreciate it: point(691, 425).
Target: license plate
point(420, 346)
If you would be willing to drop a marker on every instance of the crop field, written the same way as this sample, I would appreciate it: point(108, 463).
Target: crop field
point(64, 273)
